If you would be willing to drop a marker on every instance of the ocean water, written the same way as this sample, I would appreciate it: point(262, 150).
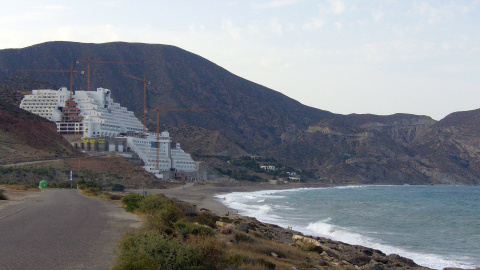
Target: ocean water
point(436, 226)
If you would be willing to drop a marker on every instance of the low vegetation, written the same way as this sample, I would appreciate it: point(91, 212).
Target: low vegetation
point(249, 168)
point(177, 236)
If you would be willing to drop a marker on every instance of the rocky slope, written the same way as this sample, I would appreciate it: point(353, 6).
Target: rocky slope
point(397, 149)
point(25, 136)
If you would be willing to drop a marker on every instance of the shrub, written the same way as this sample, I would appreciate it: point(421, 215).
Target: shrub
point(131, 201)
point(169, 214)
point(164, 219)
point(307, 247)
point(114, 197)
point(2, 196)
point(93, 191)
point(186, 228)
point(154, 250)
point(118, 187)
point(211, 250)
point(64, 185)
point(151, 203)
point(243, 237)
point(155, 222)
point(206, 218)
point(235, 260)
point(85, 185)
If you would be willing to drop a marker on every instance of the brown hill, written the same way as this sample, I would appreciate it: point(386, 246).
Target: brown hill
point(396, 149)
point(249, 118)
point(25, 136)
point(452, 147)
point(249, 114)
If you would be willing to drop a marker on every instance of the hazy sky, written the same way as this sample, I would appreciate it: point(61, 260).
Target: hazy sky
point(358, 56)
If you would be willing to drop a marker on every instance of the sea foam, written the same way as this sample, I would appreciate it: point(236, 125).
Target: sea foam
point(289, 208)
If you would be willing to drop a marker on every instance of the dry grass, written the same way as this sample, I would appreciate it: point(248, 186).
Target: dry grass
point(12, 192)
point(178, 233)
point(262, 254)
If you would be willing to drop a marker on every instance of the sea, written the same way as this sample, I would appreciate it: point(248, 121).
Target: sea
point(436, 226)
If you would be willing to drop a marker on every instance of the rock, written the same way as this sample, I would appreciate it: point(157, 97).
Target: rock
point(225, 228)
point(373, 265)
point(397, 260)
point(308, 243)
point(242, 228)
point(380, 257)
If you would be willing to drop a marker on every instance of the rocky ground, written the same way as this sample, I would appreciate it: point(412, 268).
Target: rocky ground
point(333, 254)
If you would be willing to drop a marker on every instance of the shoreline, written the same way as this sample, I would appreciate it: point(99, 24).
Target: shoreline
point(203, 196)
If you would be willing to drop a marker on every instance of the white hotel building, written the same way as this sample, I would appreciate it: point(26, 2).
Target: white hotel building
point(93, 114)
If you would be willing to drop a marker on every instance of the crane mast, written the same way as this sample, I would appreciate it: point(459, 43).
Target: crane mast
point(71, 71)
point(144, 80)
point(88, 61)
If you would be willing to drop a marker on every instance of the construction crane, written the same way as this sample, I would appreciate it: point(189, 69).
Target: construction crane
point(144, 80)
point(71, 71)
point(158, 110)
point(88, 61)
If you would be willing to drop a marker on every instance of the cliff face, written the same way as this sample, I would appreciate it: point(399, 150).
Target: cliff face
point(397, 149)
point(247, 118)
point(452, 147)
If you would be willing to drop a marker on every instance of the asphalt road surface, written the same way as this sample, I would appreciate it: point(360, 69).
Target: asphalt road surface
point(61, 229)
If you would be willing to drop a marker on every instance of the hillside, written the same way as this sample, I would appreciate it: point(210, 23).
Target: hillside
point(25, 136)
point(454, 144)
point(396, 149)
point(248, 118)
point(249, 114)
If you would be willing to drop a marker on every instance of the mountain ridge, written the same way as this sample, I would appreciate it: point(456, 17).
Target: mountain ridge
point(252, 119)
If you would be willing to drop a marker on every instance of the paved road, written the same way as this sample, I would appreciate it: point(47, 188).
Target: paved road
point(61, 229)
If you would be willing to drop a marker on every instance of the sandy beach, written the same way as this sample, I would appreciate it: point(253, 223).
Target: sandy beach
point(202, 196)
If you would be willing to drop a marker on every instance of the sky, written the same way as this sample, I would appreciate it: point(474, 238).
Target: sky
point(344, 56)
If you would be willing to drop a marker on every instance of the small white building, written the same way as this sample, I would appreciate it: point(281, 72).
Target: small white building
point(268, 167)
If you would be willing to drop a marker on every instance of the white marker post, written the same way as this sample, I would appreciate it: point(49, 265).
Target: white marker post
point(71, 179)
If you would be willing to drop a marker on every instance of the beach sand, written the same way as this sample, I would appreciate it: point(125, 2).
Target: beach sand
point(202, 196)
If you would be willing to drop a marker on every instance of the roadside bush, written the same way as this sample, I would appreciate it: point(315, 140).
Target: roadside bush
point(169, 214)
point(186, 228)
point(65, 185)
point(84, 185)
point(114, 197)
point(151, 203)
point(154, 250)
point(2, 196)
point(118, 187)
point(243, 237)
point(31, 185)
point(131, 201)
point(211, 250)
point(206, 218)
point(93, 191)
point(164, 219)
